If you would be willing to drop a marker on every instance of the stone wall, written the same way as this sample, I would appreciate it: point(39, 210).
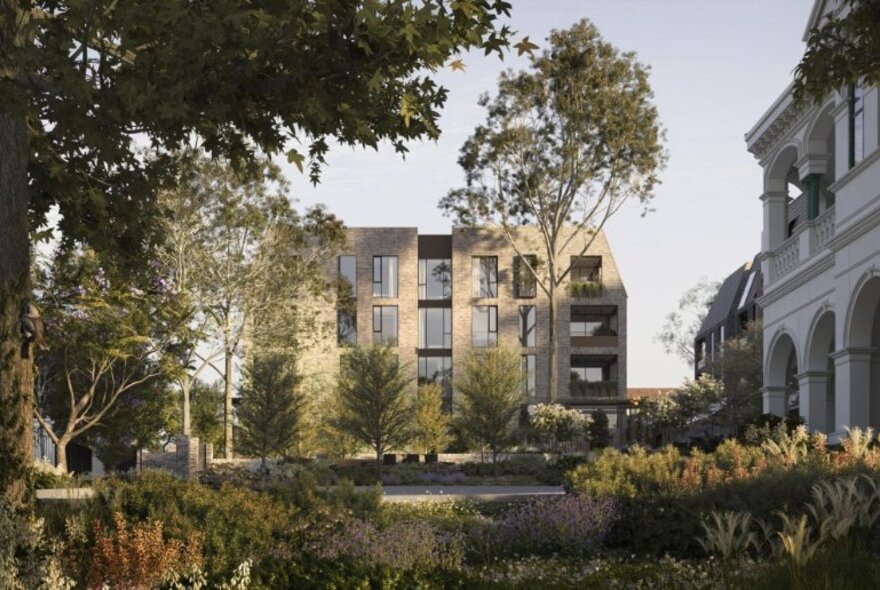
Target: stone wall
point(187, 460)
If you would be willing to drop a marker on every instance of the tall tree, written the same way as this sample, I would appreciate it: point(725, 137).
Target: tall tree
point(271, 408)
point(740, 369)
point(679, 331)
point(374, 401)
point(107, 339)
point(564, 146)
point(490, 396)
point(245, 260)
point(79, 81)
point(843, 49)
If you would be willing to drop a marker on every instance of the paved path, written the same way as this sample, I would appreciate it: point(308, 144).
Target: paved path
point(484, 493)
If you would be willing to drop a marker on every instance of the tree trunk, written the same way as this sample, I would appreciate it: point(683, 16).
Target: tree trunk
point(554, 344)
point(227, 414)
point(16, 365)
point(187, 419)
point(61, 453)
point(379, 464)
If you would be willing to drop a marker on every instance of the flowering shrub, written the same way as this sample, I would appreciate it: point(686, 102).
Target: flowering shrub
point(572, 525)
point(555, 424)
point(140, 558)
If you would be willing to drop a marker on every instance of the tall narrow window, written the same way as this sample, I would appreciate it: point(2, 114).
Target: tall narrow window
point(435, 279)
point(525, 284)
point(527, 325)
point(856, 124)
point(437, 369)
point(485, 274)
point(346, 326)
point(484, 320)
point(435, 327)
point(385, 276)
point(385, 324)
point(528, 373)
point(347, 272)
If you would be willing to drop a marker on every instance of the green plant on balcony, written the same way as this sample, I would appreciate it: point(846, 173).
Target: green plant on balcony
point(585, 289)
point(577, 387)
point(604, 330)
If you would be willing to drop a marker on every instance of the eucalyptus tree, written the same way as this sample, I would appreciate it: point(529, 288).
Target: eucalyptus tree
point(679, 330)
point(80, 81)
point(249, 266)
point(565, 144)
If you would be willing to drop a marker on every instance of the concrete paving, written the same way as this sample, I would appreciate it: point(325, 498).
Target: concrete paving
point(481, 493)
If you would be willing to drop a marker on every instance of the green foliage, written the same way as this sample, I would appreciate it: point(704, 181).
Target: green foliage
point(103, 374)
point(237, 523)
point(679, 330)
point(207, 413)
point(430, 421)
point(373, 403)
point(490, 396)
point(729, 534)
point(28, 558)
point(270, 415)
point(841, 50)
point(554, 424)
point(600, 434)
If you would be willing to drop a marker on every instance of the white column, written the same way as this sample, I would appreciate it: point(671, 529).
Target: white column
point(813, 388)
point(852, 367)
point(774, 220)
point(774, 400)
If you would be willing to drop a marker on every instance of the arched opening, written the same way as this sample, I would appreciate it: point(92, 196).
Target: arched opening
point(781, 387)
point(860, 362)
point(782, 198)
point(819, 172)
point(816, 383)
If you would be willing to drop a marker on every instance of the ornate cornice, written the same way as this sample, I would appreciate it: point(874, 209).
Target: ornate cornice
point(778, 129)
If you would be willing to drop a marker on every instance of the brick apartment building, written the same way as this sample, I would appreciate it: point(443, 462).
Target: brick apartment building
point(436, 296)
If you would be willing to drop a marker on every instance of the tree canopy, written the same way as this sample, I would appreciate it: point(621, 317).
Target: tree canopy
point(843, 49)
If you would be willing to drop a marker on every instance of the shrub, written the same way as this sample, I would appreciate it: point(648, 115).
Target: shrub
point(141, 558)
point(571, 525)
point(28, 560)
point(238, 524)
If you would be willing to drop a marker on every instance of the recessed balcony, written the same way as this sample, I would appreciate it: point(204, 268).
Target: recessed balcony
point(806, 241)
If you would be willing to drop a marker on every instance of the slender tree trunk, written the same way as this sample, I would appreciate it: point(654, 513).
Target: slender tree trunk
point(554, 344)
point(187, 419)
point(16, 366)
point(379, 463)
point(227, 414)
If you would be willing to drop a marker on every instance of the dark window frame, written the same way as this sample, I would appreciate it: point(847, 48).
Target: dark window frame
point(378, 334)
point(491, 280)
point(423, 280)
point(522, 275)
point(491, 334)
point(529, 366)
point(380, 282)
point(528, 335)
point(856, 124)
point(447, 327)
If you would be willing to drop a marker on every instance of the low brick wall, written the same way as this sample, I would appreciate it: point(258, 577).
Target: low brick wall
point(187, 460)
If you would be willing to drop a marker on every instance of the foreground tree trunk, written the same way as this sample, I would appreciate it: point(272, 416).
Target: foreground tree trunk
point(227, 414)
point(554, 345)
point(16, 366)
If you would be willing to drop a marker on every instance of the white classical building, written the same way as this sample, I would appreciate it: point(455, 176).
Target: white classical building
point(821, 255)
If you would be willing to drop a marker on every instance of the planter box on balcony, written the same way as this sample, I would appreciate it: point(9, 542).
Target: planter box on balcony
point(594, 341)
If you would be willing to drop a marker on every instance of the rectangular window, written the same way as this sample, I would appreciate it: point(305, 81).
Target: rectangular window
point(528, 372)
point(527, 325)
point(435, 327)
point(437, 369)
point(856, 124)
point(525, 284)
point(346, 270)
point(586, 269)
point(485, 274)
point(346, 327)
point(435, 279)
point(484, 320)
point(593, 376)
point(385, 276)
point(385, 324)
point(593, 320)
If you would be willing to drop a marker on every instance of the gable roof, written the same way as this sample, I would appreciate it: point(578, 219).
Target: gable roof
point(724, 301)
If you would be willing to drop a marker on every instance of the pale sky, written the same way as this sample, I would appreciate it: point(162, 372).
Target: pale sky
point(716, 66)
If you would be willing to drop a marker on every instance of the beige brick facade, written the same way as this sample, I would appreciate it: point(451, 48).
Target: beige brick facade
point(463, 245)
